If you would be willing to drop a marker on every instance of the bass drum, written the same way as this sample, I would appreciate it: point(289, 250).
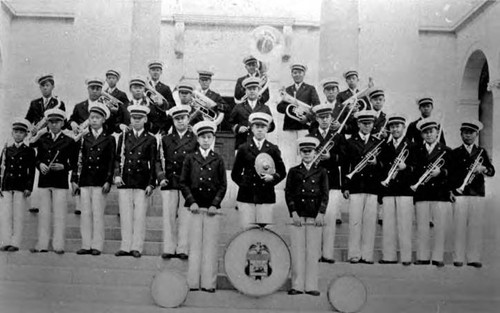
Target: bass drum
point(257, 262)
point(347, 294)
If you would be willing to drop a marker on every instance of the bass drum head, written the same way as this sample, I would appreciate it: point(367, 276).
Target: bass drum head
point(347, 294)
point(257, 262)
point(169, 289)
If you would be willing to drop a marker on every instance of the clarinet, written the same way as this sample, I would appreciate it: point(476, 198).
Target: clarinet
point(162, 156)
point(80, 160)
point(2, 166)
point(122, 155)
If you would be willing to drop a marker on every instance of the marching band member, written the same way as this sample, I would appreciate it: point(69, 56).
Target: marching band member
point(93, 179)
point(155, 71)
point(331, 91)
point(470, 165)
point(362, 188)
point(16, 184)
point(252, 67)
point(157, 121)
point(434, 194)
point(331, 162)
point(55, 158)
point(352, 80)
point(203, 184)
point(174, 148)
point(135, 178)
point(256, 194)
point(306, 194)
point(205, 79)
point(112, 78)
point(425, 106)
point(397, 196)
point(185, 90)
point(377, 100)
point(241, 112)
point(292, 128)
point(35, 115)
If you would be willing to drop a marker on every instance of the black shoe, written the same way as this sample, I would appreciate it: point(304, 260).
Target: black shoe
point(431, 224)
point(422, 262)
point(167, 256)
point(387, 262)
point(293, 292)
point(475, 264)
point(33, 210)
point(209, 290)
point(182, 256)
point(380, 222)
point(194, 289)
point(315, 293)
point(96, 252)
point(84, 251)
point(59, 252)
point(365, 262)
point(354, 260)
point(326, 260)
point(406, 263)
point(338, 221)
point(135, 253)
point(438, 263)
point(5, 248)
point(78, 212)
point(122, 253)
point(13, 249)
point(458, 264)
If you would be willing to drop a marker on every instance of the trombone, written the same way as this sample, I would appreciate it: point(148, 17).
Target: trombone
point(426, 176)
point(401, 158)
point(373, 153)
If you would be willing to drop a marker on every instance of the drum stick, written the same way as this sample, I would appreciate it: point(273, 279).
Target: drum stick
point(202, 210)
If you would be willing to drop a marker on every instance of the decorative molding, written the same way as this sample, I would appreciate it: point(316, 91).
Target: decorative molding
point(462, 22)
point(179, 39)
point(221, 20)
point(494, 84)
point(288, 35)
point(36, 14)
point(469, 102)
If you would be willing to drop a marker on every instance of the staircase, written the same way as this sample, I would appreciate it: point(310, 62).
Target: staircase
point(105, 283)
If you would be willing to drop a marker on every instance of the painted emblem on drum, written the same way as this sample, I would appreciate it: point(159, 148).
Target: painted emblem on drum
point(258, 261)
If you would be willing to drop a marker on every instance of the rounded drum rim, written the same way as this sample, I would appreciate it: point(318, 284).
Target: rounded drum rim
point(365, 289)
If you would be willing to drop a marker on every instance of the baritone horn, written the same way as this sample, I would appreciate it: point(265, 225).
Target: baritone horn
point(205, 106)
point(109, 100)
point(297, 109)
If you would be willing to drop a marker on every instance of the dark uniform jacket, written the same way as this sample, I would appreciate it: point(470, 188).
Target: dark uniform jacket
point(307, 94)
point(47, 150)
point(120, 95)
point(217, 98)
point(331, 165)
point(252, 188)
point(96, 160)
point(19, 173)
point(157, 117)
point(400, 184)
point(461, 162)
point(368, 180)
point(415, 136)
point(165, 91)
point(346, 94)
point(437, 188)
point(203, 181)
point(81, 114)
point(239, 90)
point(36, 110)
point(306, 191)
point(175, 150)
point(351, 126)
point(239, 117)
point(138, 170)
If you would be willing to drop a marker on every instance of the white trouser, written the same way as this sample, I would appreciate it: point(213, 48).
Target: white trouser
point(52, 200)
point(93, 202)
point(11, 218)
point(288, 146)
point(305, 255)
point(202, 264)
point(34, 199)
point(78, 202)
point(175, 222)
point(133, 205)
point(362, 222)
point(251, 213)
point(398, 216)
point(332, 210)
point(440, 210)
point(468, 219)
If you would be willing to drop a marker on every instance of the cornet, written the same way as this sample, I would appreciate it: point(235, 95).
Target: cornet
point(426, 176)
point(364, 162)
point(472, 173)
point(401, 158)
point(297, 109)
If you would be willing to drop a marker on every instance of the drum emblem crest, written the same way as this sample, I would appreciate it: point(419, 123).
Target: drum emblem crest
point(258, 261)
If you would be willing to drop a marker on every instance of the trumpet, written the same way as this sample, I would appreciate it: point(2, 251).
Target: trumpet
point(426, 176)
point(471, 174)
point(373, 153)
point(297, 109)
point(401, 158)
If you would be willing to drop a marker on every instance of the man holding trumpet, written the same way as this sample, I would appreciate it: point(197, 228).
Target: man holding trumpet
point(470, 165)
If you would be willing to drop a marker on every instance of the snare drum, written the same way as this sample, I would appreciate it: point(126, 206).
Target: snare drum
point(257, 261)
point(347, 294)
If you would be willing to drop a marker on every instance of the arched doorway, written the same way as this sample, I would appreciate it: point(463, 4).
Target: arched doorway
point(476, 96)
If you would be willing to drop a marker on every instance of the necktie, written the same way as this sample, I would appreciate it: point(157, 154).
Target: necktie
point(45, 103)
